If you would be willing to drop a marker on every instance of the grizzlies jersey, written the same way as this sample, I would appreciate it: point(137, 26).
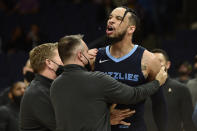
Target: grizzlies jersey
point(126, 69)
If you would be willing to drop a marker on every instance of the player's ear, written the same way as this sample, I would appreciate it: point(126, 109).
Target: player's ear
point(131, 29)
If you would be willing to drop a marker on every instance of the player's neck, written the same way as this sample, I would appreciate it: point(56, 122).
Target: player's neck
point(121, 48)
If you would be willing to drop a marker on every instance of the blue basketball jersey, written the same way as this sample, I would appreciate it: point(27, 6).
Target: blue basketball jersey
point(126, 69)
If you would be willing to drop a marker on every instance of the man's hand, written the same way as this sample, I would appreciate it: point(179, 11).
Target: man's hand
point(117, 116)
point(162, 76)
point(92, 56)
point(92, 53)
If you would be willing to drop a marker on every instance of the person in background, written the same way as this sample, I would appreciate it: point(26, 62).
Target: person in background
point(28, 77)
point(192, 84)
point(178, 100)
point(184, 72)
point(10, 112)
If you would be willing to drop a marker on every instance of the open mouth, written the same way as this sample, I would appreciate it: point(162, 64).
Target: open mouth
point(109, 30)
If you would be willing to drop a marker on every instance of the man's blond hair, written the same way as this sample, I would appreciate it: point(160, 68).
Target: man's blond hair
point(39, 54)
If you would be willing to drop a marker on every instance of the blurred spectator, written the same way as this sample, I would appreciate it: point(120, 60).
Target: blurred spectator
point(27, 6)
point(192, 84)
point(184, 71)
point(2, 5)
point(178, 99)
point(17, 41)
point(34, 37)
point(9, 113)
point(28, 73)
point(8, 5)
point(28, 77)
point(194, 117)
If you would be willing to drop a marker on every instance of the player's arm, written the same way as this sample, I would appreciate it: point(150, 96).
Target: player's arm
point(150, 67)
point(117, 116)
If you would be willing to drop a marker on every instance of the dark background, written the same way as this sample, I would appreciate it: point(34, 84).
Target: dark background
point(167, 24)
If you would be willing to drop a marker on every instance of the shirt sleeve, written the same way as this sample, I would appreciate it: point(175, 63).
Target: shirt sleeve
point(159, 110)
point(117, 92)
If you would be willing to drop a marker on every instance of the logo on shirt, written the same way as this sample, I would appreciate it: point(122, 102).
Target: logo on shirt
point(123, 76)
point(102, 61)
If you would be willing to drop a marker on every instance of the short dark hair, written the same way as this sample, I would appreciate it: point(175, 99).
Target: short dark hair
point(67, 45)
point(163, 52)
point(134, 19)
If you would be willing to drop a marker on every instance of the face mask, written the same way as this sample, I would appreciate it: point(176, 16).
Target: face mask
point(88, 66)
point(59, 70)
point(17, 99)
point(29, 76)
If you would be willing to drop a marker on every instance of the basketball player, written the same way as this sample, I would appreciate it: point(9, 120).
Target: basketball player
point(130, 64)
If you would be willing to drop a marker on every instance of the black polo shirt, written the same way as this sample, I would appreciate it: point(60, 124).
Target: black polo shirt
point(80, 98)
point(36, 112)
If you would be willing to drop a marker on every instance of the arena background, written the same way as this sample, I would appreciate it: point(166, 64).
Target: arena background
point(167, 24)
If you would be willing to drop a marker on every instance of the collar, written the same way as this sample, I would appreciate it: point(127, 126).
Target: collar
point(166, 83)
point(43, 79)
point(72, 67)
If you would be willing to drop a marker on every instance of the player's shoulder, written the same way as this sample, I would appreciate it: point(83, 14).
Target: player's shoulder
point(149, 55)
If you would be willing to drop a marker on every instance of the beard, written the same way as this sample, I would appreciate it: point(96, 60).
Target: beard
point(113, 40)
point(17, 99)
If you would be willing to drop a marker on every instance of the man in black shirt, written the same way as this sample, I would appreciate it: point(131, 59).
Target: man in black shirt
point(81, 99)
point(9, 113)
point(36, 111)
point(178, 99)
